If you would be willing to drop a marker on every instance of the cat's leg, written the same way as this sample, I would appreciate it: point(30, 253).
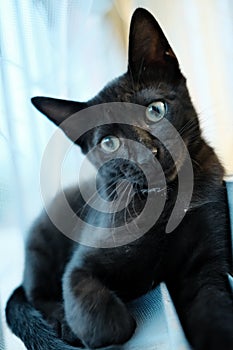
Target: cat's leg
point(204, 304)
point(94, 313)
point(198, 260)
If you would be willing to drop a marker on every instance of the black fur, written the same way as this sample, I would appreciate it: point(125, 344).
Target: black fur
point(81, 291)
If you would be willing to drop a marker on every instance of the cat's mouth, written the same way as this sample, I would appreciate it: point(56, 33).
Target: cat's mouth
point(144, 177)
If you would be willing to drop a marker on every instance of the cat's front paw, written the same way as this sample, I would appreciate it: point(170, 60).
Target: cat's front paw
point(101, 319)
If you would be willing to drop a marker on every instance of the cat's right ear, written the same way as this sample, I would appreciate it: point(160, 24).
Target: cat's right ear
point(148, 45)
point(58, 111)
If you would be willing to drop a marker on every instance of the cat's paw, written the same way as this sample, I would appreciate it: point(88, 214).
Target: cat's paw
point(101, 320)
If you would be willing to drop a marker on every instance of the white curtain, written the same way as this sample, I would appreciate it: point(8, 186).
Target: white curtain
point(70, 49)
point(64, 49)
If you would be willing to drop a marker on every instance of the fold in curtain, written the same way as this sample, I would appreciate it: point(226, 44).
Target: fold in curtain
point(64, 49)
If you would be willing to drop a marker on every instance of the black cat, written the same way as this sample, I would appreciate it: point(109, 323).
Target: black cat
point(81, 291)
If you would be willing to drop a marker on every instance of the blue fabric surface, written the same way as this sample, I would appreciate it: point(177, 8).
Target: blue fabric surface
point(158, 327)
point(230, 201)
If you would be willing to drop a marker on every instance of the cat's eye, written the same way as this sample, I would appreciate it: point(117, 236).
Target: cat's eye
point(156, 111)
point(110, 143)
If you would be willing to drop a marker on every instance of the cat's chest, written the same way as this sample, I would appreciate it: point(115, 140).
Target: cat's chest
point(130, 270)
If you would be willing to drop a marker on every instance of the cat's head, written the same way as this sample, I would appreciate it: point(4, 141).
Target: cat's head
point(153, 80)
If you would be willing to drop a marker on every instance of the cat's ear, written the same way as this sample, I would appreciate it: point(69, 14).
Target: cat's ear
point(147, 43)
point(55, 109)
point(58, 111)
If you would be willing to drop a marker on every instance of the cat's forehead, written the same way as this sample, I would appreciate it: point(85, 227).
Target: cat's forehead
point(150, 94)
point(124, 89)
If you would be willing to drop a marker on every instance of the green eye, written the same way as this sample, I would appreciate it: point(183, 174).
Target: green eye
point(110, 143)
point(156, 111)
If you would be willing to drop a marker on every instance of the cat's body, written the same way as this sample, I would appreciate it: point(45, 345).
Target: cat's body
point(94, 283)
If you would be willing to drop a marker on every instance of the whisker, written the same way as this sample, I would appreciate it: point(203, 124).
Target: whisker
point(92, 197)
point(127, 210)
point(134, 221)
point(187, 126)
point(196, 162)
point(119, 202)
point(136, 214)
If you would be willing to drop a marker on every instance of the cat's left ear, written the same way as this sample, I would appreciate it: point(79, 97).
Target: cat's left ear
point(148, 44)
point(59, 111)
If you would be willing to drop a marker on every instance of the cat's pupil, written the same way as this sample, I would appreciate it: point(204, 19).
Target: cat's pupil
point(156, 111)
